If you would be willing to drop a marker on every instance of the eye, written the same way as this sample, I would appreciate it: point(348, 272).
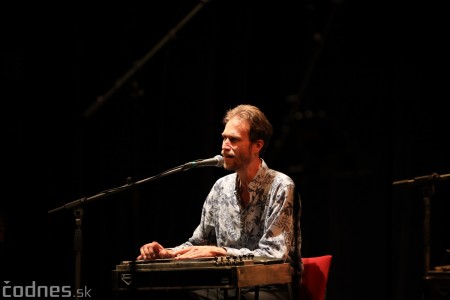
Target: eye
point(231, 139)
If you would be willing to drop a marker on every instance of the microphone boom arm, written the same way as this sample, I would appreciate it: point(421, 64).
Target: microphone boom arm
point(77, 205)
point(115, 190)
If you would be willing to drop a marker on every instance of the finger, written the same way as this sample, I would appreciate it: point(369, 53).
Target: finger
point(147, 251)
point(154, 249)
point(163, 253)
point(187, 255)
point(157, 246)
point(182, 251)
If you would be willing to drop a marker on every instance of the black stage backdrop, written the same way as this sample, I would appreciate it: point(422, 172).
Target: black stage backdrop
point(356, 95)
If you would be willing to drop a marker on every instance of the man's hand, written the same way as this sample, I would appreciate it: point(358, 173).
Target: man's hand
point(154, 250)
point(199, 251)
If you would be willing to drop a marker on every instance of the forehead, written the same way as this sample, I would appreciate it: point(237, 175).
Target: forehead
point(237, 126)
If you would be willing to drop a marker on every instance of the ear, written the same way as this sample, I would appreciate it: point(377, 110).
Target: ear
point(257, 146)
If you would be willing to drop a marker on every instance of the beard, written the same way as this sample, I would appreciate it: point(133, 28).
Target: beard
point(236, 163)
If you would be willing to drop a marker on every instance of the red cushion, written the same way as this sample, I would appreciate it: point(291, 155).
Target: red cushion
point(314, 277)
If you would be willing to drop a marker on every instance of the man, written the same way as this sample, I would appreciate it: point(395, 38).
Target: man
point(252, 211)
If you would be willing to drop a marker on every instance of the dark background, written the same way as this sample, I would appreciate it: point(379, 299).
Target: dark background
point(357, 94)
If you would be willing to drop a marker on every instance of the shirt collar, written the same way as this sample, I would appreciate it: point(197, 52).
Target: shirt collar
point(258, 179)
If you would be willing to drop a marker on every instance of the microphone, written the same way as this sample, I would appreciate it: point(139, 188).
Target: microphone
point(216, 161)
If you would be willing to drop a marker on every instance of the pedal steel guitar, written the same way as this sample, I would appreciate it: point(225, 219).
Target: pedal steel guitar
point(226, 272)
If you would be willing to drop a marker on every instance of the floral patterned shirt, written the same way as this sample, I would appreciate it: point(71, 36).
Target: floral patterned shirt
point(264, 228)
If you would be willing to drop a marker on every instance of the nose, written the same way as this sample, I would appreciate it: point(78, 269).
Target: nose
point(226, 144)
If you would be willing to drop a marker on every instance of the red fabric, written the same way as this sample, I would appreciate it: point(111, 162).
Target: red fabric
point(314, 277)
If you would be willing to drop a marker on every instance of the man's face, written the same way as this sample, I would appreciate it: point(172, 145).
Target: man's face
point(236, 145)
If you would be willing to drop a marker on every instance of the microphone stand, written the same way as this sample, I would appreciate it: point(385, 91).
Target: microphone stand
point(78, 211)
point(428, 190)
point(118, 84)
